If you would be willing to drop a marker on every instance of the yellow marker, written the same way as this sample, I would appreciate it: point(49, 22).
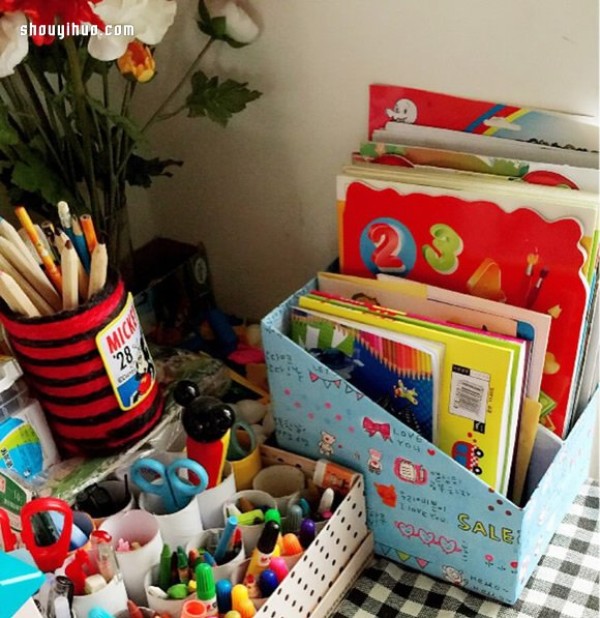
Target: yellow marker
point(49, 265)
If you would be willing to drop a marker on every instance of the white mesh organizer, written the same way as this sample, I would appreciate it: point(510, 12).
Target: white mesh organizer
point(334, 559)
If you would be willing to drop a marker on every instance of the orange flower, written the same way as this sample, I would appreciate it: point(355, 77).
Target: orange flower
point(137, 63)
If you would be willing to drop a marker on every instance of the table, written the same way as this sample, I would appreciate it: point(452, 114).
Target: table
point(564, 584)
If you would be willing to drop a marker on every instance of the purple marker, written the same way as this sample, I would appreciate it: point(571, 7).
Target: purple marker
point(308, 531)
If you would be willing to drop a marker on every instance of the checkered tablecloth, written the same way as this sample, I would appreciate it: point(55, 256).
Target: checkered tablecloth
point(565, 583)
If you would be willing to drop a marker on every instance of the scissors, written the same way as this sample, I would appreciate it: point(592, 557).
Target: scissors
point(47, 546)
point(173, 490)
point(236, 450)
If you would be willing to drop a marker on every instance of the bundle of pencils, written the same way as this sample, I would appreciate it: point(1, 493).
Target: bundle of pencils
point(45, 269)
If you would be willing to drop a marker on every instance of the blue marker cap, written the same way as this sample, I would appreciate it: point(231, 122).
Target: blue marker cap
point(267, 582)
point(305, 506)
point(224, 595)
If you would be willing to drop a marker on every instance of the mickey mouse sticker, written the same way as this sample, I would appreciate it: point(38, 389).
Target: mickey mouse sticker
point(126, 357)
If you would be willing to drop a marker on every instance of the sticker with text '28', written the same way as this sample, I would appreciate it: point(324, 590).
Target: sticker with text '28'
point(126, 357)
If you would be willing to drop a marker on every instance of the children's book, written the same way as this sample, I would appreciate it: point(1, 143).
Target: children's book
point(399, 372)
point(478, 411)
point(392, 106)
point(452, 307)
point(549, 174)
point(486, 243)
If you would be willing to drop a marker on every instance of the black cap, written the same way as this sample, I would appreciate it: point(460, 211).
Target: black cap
point(268, 537)
point(185, 392)
point(207, 419)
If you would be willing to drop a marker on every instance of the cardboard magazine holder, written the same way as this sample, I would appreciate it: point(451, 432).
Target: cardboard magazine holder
point(426, 511)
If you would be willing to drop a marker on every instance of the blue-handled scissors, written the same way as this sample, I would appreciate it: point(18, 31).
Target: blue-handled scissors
point(173, 490)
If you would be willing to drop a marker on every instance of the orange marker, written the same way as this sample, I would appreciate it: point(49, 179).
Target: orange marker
point(49, 265)
point(89, 232)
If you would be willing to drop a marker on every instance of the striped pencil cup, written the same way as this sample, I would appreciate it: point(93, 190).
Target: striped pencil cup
point(91, 370)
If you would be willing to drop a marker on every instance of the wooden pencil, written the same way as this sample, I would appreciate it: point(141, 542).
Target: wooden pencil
point(98, 269)
point(34, 275)
point(15, 298)
point(83, 280)
point(68, 261)
point(40, 304)
point(8, 231)
point(51, 269)
point(89, 232)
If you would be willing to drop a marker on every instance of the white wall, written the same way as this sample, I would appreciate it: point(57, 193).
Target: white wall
point(260, 194)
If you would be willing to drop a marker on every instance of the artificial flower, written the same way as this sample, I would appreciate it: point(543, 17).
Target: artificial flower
point(238, 24)
point(137, 63)
point(150, 20)
point(48, 12)
point(13, 45)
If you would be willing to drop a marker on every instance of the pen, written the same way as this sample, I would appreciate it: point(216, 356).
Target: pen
point(226, 536)
point(49, 266)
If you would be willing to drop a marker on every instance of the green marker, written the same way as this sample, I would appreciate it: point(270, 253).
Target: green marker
point(206, 591)
point(164, 568)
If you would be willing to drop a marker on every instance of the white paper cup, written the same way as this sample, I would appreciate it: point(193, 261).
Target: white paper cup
point(140, 526)
point(173, 606)
point(283, 482)
point(112, 598)
point(175, 528)
point(251, 534)
point(229, 570)
point(211, 501)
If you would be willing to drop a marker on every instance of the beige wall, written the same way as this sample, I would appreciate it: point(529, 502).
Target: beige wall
point(260, 193)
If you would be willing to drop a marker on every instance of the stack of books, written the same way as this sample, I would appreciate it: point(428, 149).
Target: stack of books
point(465, 302)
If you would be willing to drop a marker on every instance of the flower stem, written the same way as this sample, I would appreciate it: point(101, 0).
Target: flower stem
point(157, 115)
point(84, 122)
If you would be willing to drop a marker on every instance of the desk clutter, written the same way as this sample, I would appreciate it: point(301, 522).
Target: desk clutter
point(451, 354)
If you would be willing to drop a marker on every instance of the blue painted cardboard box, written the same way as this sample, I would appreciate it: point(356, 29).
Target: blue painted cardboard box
point(426, 511)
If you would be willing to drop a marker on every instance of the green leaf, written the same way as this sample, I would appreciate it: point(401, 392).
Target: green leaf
point(8, 134)
point(131, 129)
point(140, 171)
point(218, 101)
point(34, 176)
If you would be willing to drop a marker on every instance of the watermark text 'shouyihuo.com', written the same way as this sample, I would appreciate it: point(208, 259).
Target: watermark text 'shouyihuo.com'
point(61, 31)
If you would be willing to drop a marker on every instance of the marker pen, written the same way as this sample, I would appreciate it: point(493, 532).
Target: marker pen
point(293, 519)
point(267, 582)
point(326, 502)
point(225, 539)
point(207, 421)
point(206, 590)
point(224, 602)
point(279, 568)
point(239, 594)
point(307, 533)
point(263, 551)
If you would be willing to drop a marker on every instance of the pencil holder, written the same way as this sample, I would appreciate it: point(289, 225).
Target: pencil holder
point(262, 501)
point(157, 603)
point(91, 370)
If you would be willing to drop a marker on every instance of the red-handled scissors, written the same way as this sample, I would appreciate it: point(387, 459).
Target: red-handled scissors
point(38, 533)
point(9, 539)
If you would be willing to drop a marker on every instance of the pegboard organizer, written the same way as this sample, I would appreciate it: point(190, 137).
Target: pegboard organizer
point(334, 559)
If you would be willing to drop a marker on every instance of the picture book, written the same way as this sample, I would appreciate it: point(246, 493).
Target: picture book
point(397, 105)
point(486, 244)
point(550, 174)
point(399, 372)
point(483, 145)
point(476, 423)
point(452, 307)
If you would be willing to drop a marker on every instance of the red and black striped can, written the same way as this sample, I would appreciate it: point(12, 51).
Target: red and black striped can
point(91, 370)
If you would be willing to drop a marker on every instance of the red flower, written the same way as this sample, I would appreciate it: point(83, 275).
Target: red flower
point(49, 12)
